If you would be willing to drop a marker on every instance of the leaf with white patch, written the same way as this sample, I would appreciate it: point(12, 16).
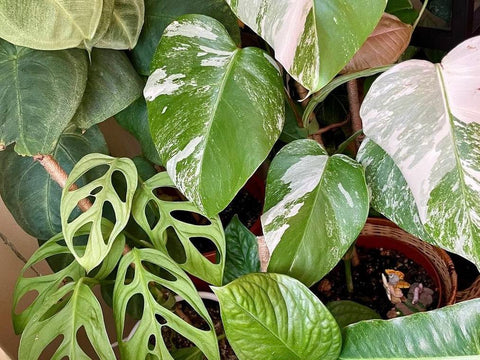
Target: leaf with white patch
point(312, 39)
point(315, 207)
point(390, 194)
point(215, 110)
point(426, 118)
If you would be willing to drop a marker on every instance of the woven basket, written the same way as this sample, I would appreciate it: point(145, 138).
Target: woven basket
point(471, 292)
point(438, 264)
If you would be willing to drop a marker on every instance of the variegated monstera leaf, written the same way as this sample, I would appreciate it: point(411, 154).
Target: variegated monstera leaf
point(312, 39)
point(426, 117)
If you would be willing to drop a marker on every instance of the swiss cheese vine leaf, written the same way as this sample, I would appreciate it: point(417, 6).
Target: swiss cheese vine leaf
point(169, 215)
point(104, 196)
point(212, 106)
point(147, 340)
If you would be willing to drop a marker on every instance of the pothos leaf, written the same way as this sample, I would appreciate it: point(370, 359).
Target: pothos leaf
point(103, 193)
point(349, 312)
point(64, 313)
point(169, 216)
point(155, 316)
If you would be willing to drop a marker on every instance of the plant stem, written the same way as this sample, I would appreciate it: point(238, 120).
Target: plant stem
point(347, 142)
point(348, 274)
point(17, 253)
point(422, 10)
point(59, 175)
point(354, 103)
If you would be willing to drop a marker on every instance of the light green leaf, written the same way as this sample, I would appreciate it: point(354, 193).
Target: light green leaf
point(125, 25)
point(74, 306)
point(29, 193)
point(315, 207)
point(448, 333)
point(242, 251)
point(390, 194)
point(112, 85)
point(190, 353)
point(103, 25)
point(49, 25)
point(426, 118)
point(102, 192)
point(41, 91)
point(272, 316)
point(173, 278)
point(349, 312)
point(169, 215)
point(312, 39)
point(158, 14)
point(135, 119)
point(212, 106)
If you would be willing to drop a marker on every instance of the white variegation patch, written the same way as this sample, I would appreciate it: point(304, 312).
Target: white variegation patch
point(160, 84)
point(192, 29)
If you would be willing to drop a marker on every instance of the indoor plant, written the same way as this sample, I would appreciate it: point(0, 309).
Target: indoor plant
point(201, 84)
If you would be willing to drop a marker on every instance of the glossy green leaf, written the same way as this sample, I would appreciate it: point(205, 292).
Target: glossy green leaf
point(315, 207)
point(135, 119)
point(169, 215)
point(390, 194)
point(41, 91)
point(312, 39)
point(49, 25)
point(212, 106)
point(349, 312)
point(190, 353)
point(403, 9)
point(74, 307)
point(155, 316)
point(112, 85)
point(426, 118)
point(448, 333)
point(159, 14)
point(102, 192)
point(125, 25)
point(272, 316)
point(29, 193)
point(242, 251)
point(291, 130)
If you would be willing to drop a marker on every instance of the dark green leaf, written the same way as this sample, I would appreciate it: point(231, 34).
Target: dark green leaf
point(291, 130)
point(242, 251)
point(158, 14)
point(29, 193)
point(272, 316)
point(112, 85)
point(349, 312)
point(41, 91)
point(190, 353)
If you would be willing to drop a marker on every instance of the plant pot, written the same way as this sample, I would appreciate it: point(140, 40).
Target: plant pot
point(382, 233)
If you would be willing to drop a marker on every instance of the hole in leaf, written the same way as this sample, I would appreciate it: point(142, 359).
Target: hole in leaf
point(25, 301)
point(119, 181)
point(159, 271)
point(151, 342)
point(108, 212)
point(85, 344)
point(94, 173)
point(190, 218)
point(96, 190)
point(203, 244)
point(50, 349)
point(160, 319)
point(56, 308)
point(152, 214)
point(169, 194)
point(135, 306)
point(129, 275)
point(39, 266)
point(175, 248)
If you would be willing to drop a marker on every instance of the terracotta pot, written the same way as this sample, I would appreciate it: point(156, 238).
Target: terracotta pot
point(382, 233)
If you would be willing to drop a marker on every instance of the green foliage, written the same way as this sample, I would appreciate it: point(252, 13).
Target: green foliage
point(348, 312)
point(206, 84)
point(266, 307)
point(242, 251)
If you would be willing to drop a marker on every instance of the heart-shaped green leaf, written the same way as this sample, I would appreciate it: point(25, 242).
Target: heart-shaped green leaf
point(349, 312)
point(205, 99)
point(242, 251)
point(390, 194)
point(315, 207)
point(426, 118)
point(125, 25)
point(135, 119)
point(272, 316)
point(50, 25)
point(312, 39)
point(142, 345)
point(30, 194)
point(445, 334)
point(63, 314)
point(103, 193)
point(168, 215)
point(41, 91)
point(158, 14)
point(112, 85)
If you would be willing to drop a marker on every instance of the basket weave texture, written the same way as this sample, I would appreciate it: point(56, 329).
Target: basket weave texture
point(440, 260)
